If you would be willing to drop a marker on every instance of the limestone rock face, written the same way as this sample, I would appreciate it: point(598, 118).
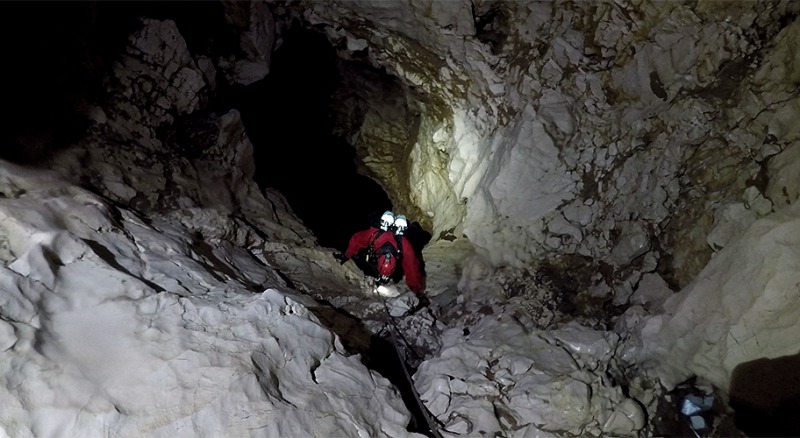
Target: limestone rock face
point(633, 149)
point(642, 139)
point(118, 323)
point(605, 130)
point(496, 374)
point(157, 148)
point(375, 114)
point(742, 307)
point(255, 26)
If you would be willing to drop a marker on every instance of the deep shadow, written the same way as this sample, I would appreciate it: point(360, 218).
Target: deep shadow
point(418, 237)
point(286, 116)
point(353, 333)
point(377, 353)
point(107, 256)
point(383, 358)
point(59, 53)
point(765, 393)
point(46, 77)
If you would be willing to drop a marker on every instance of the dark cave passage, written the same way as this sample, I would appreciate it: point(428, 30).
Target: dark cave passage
point(382, 357)
point(378, 353)
point(59, 72)
point(287, 119)
point(765, 394)
point(59, 54)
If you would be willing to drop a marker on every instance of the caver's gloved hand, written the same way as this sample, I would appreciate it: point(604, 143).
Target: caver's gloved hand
point(340, 257)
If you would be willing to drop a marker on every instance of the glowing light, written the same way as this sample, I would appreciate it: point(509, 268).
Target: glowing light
point(387, 291)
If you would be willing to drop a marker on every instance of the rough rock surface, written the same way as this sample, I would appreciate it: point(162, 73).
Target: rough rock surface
point(627, 149)
point(598, 129)
point(117, 324)
point(741, 307)
point(632, 141)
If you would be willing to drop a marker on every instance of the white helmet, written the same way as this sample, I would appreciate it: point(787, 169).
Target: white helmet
point(400, 225)
point(387, 220)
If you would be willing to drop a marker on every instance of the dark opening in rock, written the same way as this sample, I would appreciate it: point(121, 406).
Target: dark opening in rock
point(383, 358)
point(765, 394)
point(288, 120)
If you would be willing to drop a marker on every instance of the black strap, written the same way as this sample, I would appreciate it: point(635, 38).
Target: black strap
point(399, 241)
point(371, 256)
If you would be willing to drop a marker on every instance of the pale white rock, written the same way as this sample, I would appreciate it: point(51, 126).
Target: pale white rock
point(551, 72)
point(556, 111)
point(497, 89)
point(565, 53)
point(470, 161)
point(554, 242)
point(531, 182)
point(784, 184)
point(601, 289)
point(459, 425)
point(783, 122)
point(561, 226)
point(356, 44)
point(445, 261)
point(438, 396)
point(626, 419)
point(740, 308)
point(633, 242)
point(550, 403)
point(119, 189)
point(579, 213)
point(729, 222)
point(613, 28)
point(780, 67)
point(767, 150)
point(7, 336)
point(651, 291)
point(499, 176)
point(474, 280)
point(159, 43)
point(401, 305)
point(650, 262)
point(591, 346)
point(546, 385)
point(755, 201)
point(623, 289)
point(440, 135)
point(531, 431)
point(628, 321)
point(164, 358)
point(434, 190)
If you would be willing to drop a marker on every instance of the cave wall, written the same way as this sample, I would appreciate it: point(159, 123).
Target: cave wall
point(612, 131)
point(643, 138)
point(155, 143)
point(640, 143)
point(636, 138)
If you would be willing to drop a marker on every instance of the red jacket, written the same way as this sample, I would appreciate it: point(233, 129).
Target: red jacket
point(362, 239)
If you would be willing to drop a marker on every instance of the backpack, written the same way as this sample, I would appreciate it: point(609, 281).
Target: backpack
point(385, 251)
